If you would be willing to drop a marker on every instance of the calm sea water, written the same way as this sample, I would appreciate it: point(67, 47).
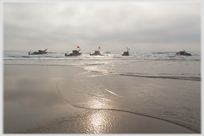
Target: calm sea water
point(168, 85)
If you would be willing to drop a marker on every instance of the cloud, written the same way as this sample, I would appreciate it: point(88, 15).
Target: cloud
point(108, 24)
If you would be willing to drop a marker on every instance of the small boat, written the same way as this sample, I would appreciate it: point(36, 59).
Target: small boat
point(96, 53)
point(74, 52)
point(183, 53)
point(126, 53)
point(39, 52)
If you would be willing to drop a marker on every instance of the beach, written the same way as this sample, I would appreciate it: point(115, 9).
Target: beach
point(69, 99)
point(102, 67)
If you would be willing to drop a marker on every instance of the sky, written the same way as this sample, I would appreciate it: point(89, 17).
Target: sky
point(112, 25)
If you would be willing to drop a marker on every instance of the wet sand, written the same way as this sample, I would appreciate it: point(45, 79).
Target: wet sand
point(34, 104)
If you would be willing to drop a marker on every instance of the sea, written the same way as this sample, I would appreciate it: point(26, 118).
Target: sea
point(175, 80)
point(142, 64)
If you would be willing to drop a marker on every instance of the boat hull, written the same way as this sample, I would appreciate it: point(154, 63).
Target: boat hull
point(183, 53)
point(126, 53)
point(72, 54)
point(36, 53)
point(95, 55)
point(186, 54)
point(40, 52)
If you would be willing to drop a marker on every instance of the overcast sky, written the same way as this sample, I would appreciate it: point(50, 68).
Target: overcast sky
point(141, 26)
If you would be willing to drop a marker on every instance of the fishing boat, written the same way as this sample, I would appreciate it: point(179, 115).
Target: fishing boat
point(39, 52)
point(183, 53)
point(74, 52)
point(96, 52)
point(126, 53)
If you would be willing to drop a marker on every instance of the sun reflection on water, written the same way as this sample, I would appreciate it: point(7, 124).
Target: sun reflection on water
point(98, 123)
point(98, 102)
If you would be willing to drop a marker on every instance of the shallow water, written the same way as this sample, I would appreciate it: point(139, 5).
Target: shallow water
point(171, 100)
point(157, 85)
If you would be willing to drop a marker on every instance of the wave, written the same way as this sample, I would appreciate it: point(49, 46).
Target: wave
point(110, 55)
point(165, 77)
point(145, 75)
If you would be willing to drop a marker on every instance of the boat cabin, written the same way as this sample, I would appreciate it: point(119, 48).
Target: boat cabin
point(125, 53)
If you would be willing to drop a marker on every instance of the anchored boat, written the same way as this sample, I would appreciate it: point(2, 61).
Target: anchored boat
point(183, 53)
point(74, 52)
point(39, 52)
point(126, 53)
point(96, 52)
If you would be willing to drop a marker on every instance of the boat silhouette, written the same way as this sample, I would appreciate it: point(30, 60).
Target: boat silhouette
point(96, 52)
point(74, 52)
point(126, 53)
point(183, 53)
point(39, 52)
